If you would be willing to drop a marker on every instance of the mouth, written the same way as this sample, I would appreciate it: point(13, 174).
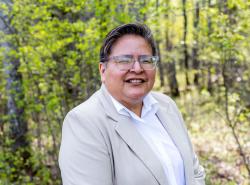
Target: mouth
point(135, 81)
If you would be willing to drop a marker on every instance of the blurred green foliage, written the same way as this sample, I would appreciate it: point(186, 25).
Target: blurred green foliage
point(57, 45)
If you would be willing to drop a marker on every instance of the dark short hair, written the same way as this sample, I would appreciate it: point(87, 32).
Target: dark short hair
point(125, 29)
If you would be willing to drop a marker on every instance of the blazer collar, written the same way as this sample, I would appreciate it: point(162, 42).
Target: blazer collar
point(128, 132)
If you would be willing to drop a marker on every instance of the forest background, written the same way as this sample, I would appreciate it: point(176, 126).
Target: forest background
point(49, 63)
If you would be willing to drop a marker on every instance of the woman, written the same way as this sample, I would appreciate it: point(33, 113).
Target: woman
point(124, 134)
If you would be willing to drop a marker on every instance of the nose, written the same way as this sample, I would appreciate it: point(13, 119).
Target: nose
point(136, 67)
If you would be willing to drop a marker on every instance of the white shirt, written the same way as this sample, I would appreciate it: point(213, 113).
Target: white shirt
point(151, 129)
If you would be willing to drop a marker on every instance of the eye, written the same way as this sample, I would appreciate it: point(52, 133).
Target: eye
point(123, 60)
point(146, 60)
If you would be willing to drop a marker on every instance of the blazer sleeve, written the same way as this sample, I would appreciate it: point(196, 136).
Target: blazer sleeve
point(83, 157)
point(199, 172)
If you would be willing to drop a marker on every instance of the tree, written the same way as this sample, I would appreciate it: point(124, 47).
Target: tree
point(196, 43)
point(185, 47)
point(20, 144)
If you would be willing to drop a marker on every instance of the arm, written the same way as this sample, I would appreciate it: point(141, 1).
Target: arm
point(83, 157)
point(199, 172)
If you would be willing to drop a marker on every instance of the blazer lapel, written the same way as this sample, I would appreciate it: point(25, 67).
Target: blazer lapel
point(172, 123)
point(132, 137)
point(128, 132)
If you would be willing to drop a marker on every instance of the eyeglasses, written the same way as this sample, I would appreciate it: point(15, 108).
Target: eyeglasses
point(126, 62)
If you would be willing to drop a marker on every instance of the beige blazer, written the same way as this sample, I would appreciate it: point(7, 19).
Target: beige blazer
point(101, 147)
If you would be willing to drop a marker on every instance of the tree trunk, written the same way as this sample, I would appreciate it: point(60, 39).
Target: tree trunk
point(171, 71)
point(174, 90)
point(15, 104)
point(209, 32)
point(209, 79)
point(196, 63)
point(160, 66)
point(169, 65)
point(185, 49)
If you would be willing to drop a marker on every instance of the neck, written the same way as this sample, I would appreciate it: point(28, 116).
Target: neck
point(135, 108)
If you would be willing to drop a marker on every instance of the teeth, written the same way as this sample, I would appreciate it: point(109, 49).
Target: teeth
point(135, 81)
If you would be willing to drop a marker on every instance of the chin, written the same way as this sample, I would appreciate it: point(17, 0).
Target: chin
point(137, 95)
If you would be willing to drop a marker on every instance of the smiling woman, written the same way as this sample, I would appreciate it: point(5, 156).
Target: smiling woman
point(124, 134)
point(130, 86)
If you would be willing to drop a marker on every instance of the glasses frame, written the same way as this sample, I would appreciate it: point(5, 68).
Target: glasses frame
point(133, 60)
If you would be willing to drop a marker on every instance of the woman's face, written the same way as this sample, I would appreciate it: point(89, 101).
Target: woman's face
point(128, 87)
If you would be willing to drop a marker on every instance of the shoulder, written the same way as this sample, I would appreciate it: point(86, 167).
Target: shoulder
point(85, 114)
point(90, 106)
point(159, 95)
point(163, 99)
point(86, 119)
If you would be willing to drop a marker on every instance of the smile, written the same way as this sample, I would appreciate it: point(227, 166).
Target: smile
point(135, 81)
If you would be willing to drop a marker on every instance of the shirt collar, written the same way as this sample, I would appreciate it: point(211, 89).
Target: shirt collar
point(150, 105)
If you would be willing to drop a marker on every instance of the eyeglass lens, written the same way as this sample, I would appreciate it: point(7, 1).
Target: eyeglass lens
point(127, 62)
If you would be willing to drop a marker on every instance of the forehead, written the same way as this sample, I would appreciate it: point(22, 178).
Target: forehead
point(131, 44)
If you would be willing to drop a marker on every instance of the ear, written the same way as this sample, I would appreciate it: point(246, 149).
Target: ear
point(102, 68)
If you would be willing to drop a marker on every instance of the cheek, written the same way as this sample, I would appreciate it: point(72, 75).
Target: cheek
point(113, 77)
point(151, 76)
